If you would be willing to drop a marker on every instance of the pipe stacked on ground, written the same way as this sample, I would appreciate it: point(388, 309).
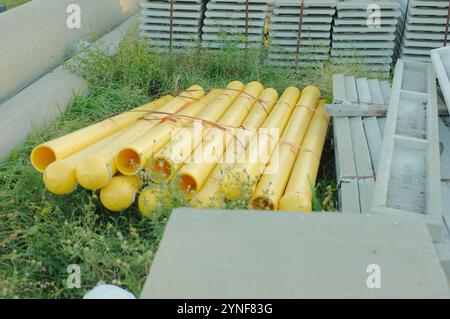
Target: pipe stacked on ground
point(209, 195)
point(95, 171)
point(46, 153)
point(60, 174)
point(194, 174)
point(172, 156)
point(299, 191)
point(272, 184)
point(244, 170)
point(138, 153)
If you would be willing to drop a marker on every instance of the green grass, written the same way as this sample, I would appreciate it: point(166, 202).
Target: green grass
point(42, 234)
point(13, 3)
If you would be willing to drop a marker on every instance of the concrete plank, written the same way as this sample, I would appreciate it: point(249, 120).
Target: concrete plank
point(441, 63)
point(351, 93)
point(408, 178)
point(364, 94)
point(363, 163)
point(346, 168)
point(251, 254)
point(374, 140)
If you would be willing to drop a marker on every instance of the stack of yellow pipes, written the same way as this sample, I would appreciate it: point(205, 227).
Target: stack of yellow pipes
point(162, 137)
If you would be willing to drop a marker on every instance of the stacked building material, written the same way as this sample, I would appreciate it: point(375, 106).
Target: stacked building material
point(358, 143)
point(360, 37)
point(301, 33)
point(425, 29)
point(174, 23)
point(195, 136)
point(238, 21)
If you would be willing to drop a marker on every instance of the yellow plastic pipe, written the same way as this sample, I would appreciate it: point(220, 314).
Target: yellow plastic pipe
point(61, 147)
point(193, 175)
point(244, 170)
point(298, 194)
point(271, 185)
point(95, 171)
point(120, 193)
point(147, 202)
point(172, 156)
point(209, 195)
point(60, 176)
point(138, 152)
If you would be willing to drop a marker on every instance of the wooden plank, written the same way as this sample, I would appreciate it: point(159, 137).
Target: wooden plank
point(363, 163)
point(374, 140)
point(345, 163)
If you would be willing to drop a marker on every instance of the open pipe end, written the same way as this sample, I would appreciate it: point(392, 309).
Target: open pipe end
point(263, 203)
point(41, 157)
point(188, 183)
point(128, 161)
point(162, 165)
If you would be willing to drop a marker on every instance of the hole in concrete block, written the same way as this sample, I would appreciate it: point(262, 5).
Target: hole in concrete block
point(412, 115)
point(406, 189)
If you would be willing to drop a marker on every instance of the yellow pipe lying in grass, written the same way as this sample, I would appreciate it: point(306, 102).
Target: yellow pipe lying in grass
point(95, 171)
point(172, 156)
point(147, 202)
point(194, 174)
point(61, 147)
point(298, 194)
point(245, 171)
point(138, 152)
point(209, 194)
point(60, 176)
point(120, 193)
point(271, 186)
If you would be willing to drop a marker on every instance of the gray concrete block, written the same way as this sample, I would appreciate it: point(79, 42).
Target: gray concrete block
point(441, 63)
point(250, 254)
point(409, 176)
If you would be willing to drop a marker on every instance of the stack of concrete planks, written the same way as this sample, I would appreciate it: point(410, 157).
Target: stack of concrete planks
point(358, 143)
point(425, 29)
point(239, 22)
point(350, 135)
point(314, 44)
point(177, 26)
point(364, 34)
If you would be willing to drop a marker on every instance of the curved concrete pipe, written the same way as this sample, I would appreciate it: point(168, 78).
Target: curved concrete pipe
point(35, 37)
point(45, 99)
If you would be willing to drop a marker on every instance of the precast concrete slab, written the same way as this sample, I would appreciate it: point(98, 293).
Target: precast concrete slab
point(424, 30)
point(409, 175)
point(441, 63)
point(252, 254)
